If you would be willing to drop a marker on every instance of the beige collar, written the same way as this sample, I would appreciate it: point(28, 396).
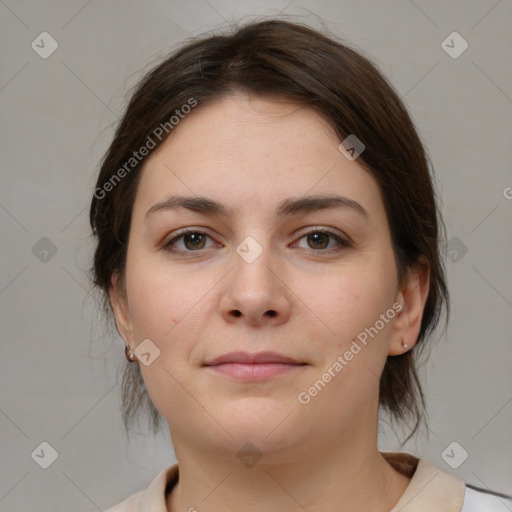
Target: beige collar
point(430, 489)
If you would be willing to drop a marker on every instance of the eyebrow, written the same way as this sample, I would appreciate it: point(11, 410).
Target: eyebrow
point(291, 206)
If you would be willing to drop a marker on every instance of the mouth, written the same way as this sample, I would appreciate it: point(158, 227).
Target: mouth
point(258, 366)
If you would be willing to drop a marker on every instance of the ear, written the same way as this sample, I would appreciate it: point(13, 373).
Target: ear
point(119, 303)
point(413, 298)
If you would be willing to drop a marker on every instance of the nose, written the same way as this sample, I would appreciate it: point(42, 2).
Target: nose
point(256, 292)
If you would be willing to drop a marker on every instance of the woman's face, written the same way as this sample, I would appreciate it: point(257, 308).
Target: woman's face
point(253, 280)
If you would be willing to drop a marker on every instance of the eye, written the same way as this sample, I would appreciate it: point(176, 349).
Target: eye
point(193, 240)
point(319, 240)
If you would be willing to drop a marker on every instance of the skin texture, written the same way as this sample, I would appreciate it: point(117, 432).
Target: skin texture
point(249, 154)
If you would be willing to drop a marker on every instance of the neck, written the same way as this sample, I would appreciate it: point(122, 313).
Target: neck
point(345, 477)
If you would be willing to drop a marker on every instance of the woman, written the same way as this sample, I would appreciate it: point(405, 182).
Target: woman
point(268, 240)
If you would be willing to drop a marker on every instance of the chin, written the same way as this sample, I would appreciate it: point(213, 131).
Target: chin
point(252, 447)
point(267, 423)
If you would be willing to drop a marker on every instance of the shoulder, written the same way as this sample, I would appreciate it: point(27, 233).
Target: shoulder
point(153, 497)
point(477, 499)
point(432, 489)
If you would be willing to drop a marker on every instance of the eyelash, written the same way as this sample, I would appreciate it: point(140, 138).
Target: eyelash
point(343, 244)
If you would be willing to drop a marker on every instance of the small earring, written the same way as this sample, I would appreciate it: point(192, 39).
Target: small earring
point(404, 343)
point(129, 354)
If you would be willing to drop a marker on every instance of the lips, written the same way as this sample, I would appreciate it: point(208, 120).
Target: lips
point(257, 358)
point(243, 366)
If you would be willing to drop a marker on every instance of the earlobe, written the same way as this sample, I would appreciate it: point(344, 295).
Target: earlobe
point(413, 298)
point(118, 302)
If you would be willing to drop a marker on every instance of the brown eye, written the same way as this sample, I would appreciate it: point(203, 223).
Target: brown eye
point(192, 240)
point(318, 240)
point(196, 240)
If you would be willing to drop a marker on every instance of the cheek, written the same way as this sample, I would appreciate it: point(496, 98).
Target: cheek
point(169, 307)
point(161, 311)
point(157, 302)
point(355, 301)
point(355, 347)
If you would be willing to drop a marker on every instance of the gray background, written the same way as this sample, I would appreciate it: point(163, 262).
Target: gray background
point(59, 364)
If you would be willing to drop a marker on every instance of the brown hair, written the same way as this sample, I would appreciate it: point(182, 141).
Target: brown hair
point(280, 58)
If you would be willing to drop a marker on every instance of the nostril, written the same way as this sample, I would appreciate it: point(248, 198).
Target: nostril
point(271, 313)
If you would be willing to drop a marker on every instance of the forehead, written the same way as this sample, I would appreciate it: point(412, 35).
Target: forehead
point(252, 152)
